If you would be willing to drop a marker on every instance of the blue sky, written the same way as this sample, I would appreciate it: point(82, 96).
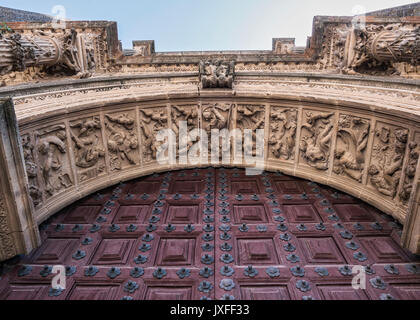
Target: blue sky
point(180, 25)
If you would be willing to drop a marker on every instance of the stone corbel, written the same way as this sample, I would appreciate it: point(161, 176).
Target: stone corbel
point(18, 230)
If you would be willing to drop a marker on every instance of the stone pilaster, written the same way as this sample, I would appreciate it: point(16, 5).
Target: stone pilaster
point(18, 230)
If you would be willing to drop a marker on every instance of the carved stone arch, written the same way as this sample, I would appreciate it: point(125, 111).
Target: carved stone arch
point(301, 117)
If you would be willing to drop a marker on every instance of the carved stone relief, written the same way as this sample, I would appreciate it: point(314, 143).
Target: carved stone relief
point(152, 120)
point(250, 117)
point(217, 74)
point(69, 53)
point(387, 158)
point(29, 154)
point(217, 116)
point(89, 152)
point(315, 144)
point(122, 140)
point(350, 150)
point(188, 114)
point(53, 159)
point(7, 245)
point(410, 170)
point(283, 125)
point(377, 47)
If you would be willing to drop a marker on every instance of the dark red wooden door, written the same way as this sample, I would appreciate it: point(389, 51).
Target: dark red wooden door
point(217, 234)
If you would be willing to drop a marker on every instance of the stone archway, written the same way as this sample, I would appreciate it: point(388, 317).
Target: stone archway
point(218, 234)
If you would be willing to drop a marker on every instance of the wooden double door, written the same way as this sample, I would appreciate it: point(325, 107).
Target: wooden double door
point(217, 234)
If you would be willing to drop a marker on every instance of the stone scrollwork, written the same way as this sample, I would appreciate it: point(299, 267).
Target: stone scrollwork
point(69, 52)
point(350, 150)
point(283, 125)
point(315, 144)
point(217, 74)
point(122, 140)
point(388, 158)
point(152, 120)
point(88, 147)
point(52, 157)
point(379, 46)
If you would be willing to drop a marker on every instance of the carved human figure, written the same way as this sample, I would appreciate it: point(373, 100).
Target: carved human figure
point(352, 140)
point(251, 118)
point(87, 143)
point(189, 114)
point(283, 133)
point(387, 159)
point(51, 147)
point(122, 140)
point(151, 122)
point(216, 74)
point(315, 144)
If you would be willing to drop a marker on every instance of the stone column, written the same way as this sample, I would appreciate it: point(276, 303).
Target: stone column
point(18, 231)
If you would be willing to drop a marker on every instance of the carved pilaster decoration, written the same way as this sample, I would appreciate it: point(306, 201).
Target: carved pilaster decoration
point(152, 120)
point(89, 152)
point(70, 53)
point(387, 159)
point(350, 150)
point(18, 230)
point(317, 131)
point(283, 126)
point(379, 46)
point(122, 140)
point(217, 74)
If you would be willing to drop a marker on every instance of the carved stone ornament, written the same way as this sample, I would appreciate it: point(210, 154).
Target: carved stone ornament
point(88, 149)
point(151, 122)
point(283, 125)
point(352, 139)
point(122, 140)
point(217, 74)
point(53, 160)
point(387, 158)
point(69, 52)
point(379, 46)
point(317, 132)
